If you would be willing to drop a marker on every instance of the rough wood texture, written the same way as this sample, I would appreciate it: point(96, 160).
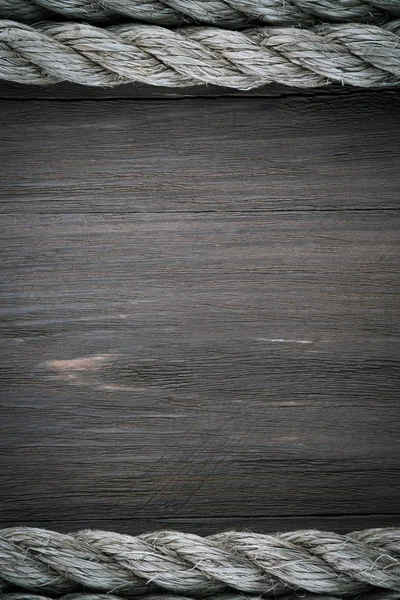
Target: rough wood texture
point(71, 91)
point(200, 326)
point(233, 155)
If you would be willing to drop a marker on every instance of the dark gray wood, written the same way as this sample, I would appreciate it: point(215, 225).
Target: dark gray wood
point(235, 155)
point(136, 525)
point(200, 319)
point(200, 366)
point(71, 91)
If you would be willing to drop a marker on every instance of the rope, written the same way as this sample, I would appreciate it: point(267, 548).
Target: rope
point(310, 560)
point(225, 13)
point(352, 54)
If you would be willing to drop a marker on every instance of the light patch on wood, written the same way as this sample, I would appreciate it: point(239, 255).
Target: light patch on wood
point(121, 388)
point(283, 341)
point(88, 363)
point(80, 371)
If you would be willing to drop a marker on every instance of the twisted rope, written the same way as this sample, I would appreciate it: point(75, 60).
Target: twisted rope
point(353, 54)
point(313, 561)
point(224, 13)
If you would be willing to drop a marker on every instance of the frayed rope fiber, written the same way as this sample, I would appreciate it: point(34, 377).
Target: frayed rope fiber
point(224, 13)
point(354, 54)
point(271, 565)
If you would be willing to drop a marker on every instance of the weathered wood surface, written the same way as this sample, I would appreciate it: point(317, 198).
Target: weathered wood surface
point(200, 313)
point(71, 91)
point(240, 155)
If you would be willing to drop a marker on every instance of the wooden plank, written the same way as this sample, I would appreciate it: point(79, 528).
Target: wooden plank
point(71, 91)
point(200, 370)
point(203, 525)
point(296, 153)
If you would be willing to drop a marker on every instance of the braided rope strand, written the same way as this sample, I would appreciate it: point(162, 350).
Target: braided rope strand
point(272, 565)
point(224, 13)
point(352, 54)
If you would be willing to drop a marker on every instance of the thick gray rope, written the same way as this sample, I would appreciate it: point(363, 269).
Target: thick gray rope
point(352, 54)
point(224, 13)
point(310, 560)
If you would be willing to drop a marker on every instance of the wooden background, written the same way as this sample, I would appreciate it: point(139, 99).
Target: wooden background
point(200, 310)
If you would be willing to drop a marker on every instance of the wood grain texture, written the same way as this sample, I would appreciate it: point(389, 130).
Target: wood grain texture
point(72, 91)
point(230, 155)
point(200, 365)
point(200, 315)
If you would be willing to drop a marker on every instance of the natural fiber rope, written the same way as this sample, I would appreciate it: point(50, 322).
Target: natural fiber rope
point(225, 13)
point(314, 561)
point(353, 54)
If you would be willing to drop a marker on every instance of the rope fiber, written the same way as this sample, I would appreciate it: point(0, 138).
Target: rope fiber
point(272, 565)
point(224, 13)
point(354, 54)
